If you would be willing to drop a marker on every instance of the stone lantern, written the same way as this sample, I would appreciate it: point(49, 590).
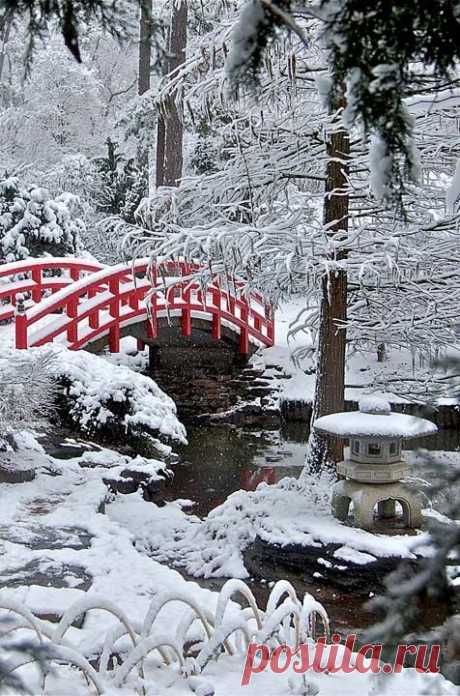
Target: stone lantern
point(375, 466)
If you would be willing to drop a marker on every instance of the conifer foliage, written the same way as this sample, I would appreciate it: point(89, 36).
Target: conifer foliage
point(378, 49)
point(69, 16)
point(32, 223)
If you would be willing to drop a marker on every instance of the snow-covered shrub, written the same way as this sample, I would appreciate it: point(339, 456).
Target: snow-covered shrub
point(215, 546)
point(33, 223)
point(115, 401)
point(26, 390)
point(96, 397)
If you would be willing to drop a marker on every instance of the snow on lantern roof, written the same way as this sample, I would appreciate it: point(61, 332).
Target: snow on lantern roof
point(374, 419)
point(374, 404)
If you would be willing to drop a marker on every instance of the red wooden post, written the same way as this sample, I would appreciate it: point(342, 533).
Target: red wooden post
point(140, 344)
point(171, 293)
point(21, 324)
point(72, 313)
point(134, 300)
point(114, 311)
point(216, 317)
point(114, 338)
point(244, 331)
point(186, 313)
point(94, 319)
point(94, 316)
point(152, 327)
point(37, 279)
point(216, 326)
point(114, 287)
point(152, 322)
point(75, 274)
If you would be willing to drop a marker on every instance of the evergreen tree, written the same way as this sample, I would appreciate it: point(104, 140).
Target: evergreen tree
point(70, 16)
point(32, 223)
point(122, 183)
point(382, 50)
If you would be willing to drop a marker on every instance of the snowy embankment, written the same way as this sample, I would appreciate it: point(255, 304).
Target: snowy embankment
point(97, 391)
point(102, 398)
point(292, 512)
point(293, 353)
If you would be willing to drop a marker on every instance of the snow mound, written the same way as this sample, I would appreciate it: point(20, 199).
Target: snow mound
point(100, 391)
point(102, 396)
point(289, 512)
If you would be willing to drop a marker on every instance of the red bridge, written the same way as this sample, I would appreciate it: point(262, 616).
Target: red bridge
point(87, 303)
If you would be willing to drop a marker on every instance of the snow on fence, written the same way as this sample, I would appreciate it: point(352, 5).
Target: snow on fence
point(286, 621)
point(87, 306)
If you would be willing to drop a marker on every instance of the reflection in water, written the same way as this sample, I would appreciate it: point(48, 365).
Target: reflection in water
point(250, 479)
point(220, 460)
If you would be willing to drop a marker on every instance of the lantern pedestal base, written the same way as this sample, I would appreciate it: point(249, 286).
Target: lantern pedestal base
point(365, 497)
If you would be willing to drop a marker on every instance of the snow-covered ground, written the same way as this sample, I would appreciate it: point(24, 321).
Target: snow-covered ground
point(364, 374)
point(54, 528)
point(214, 547)
point(68, 495)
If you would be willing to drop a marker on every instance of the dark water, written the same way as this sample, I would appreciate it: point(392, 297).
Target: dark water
point(222, 459)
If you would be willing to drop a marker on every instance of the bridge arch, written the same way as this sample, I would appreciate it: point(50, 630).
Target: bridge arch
point(89, 304)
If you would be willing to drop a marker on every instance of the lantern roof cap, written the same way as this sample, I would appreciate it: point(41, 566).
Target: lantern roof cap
point(374, 420)
point(374, 404)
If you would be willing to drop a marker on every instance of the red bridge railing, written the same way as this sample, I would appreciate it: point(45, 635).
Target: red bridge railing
point(109, 299)
point(39, 278)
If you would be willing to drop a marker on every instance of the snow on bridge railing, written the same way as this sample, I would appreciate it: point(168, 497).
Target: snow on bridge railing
point(38, 278)
point(105, 301)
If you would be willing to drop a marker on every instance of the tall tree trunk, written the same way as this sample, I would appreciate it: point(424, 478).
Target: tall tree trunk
point(160, 163)
point(145, 46)
point(145, 60)
point(170, 132)
point(330, 370)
